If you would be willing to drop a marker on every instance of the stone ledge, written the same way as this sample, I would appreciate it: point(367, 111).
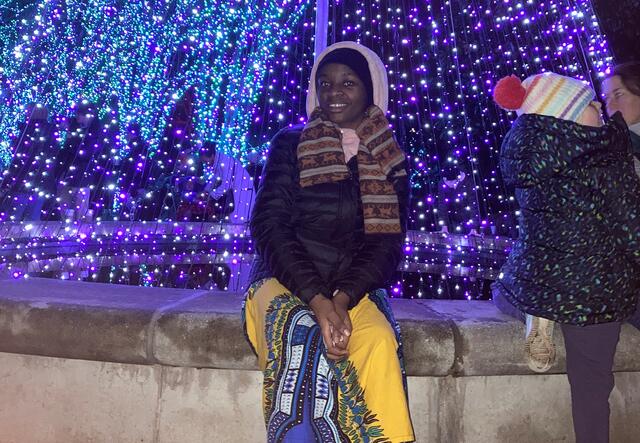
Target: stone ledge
point(202, 329)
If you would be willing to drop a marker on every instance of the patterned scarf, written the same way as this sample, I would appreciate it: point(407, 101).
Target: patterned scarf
point(380, 159)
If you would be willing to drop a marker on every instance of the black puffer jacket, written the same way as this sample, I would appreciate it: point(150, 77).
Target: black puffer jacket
point(312, 239)
point(577, 258)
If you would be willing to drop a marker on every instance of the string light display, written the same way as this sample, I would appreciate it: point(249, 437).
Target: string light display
point(443, 58)
point(165, 78)
point(147, 54)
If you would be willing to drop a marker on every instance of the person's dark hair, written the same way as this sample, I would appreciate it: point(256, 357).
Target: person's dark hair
point(354, 60)
point(629, 74)
point(451, 171)
point(208, 149)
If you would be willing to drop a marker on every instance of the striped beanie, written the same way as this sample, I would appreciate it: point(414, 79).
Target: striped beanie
point(546, 94)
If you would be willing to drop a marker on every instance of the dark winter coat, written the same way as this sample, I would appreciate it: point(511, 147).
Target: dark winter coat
point(635, 141)
point(312, 239)
point(577, 258)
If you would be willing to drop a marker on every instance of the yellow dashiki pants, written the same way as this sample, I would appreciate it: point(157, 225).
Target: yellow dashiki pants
point(310, 398)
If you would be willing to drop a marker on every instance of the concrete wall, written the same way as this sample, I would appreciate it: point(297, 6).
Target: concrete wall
point(84, 363)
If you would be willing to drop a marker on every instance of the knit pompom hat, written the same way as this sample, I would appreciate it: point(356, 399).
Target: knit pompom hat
point(546, 94)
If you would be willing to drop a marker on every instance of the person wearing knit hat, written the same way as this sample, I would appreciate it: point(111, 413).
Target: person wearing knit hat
point(545, 94)
point(576, 260)
point(329, 224)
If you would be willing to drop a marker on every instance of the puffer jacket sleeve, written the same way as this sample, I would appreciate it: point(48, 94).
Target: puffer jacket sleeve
point(625, 217)
point(378, 256)
point(271, 221)
point(622, 191)
point(530, 155)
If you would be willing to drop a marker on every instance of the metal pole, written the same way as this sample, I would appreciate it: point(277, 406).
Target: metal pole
point(322, 23)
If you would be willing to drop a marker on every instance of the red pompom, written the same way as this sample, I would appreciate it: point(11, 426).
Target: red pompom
point(509, 93)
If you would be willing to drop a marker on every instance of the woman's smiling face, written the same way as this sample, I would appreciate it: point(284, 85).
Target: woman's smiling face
point(341, 94)
point(619, 98)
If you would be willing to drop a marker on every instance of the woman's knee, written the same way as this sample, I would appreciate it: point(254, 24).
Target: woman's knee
point(376, 337)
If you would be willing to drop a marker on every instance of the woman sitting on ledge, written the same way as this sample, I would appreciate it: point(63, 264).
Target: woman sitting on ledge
point(329, 224)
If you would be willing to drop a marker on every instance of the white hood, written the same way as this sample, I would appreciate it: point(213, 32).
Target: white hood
point(376, 69)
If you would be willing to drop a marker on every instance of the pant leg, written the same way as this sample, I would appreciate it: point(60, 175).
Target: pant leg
point(307, 397)
point(82, 202)
point(590, 351)
point(504, 306)
point(17, 205)
point(67, 197)
point(299, 389)
point(33, 212)
point(373, 354)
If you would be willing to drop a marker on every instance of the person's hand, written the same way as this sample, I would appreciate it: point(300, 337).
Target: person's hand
point(331, 325)
point(341, 304)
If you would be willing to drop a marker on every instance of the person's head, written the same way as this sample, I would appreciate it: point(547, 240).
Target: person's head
point(37, 113)
point(208, 152)
point(621, 91)
point(342, 94)
point(85, 114)
point(451, 171)
point(549, 94)
point(592, 115)
point(133, 131)
point(346, 79)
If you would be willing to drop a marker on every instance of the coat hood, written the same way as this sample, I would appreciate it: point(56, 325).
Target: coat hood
point(376, 69)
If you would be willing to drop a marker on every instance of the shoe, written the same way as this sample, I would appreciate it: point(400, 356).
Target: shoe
point(538, 345)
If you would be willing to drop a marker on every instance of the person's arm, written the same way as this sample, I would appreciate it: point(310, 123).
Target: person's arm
point(621, 189)
point(276, 242)
point(377, 258)
point(271, 225)
point(625, 207)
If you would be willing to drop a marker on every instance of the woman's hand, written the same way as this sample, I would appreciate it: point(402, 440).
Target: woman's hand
point(341, 304)
point(334, 330)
